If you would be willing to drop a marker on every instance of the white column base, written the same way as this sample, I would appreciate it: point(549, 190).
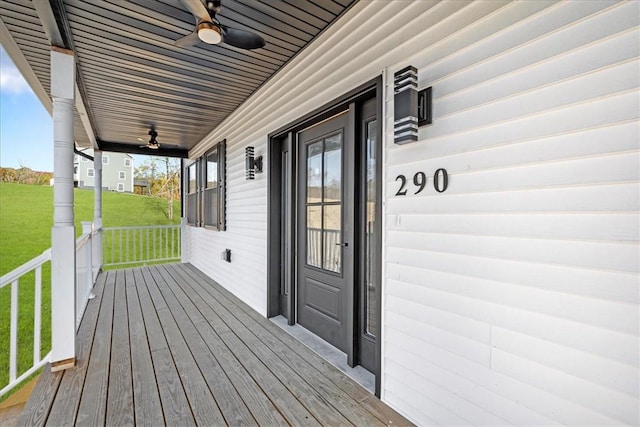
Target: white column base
point(63, 298)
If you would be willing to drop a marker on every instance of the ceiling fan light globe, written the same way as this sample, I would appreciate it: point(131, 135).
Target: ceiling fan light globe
point(209, 33)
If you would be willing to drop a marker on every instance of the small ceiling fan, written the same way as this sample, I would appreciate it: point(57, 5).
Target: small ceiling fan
point(153, 143)
point(209, 30)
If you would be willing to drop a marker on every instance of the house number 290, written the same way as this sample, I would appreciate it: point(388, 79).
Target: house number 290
point(440, 182)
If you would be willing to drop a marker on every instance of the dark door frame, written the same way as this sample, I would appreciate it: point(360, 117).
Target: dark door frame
point(286, 135)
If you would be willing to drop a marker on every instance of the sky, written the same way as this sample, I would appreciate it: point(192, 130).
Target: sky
point(26, 129)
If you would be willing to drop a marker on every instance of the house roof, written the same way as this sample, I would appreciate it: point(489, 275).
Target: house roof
point(130, 75)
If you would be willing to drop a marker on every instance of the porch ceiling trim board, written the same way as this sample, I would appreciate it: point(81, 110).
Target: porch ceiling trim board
point(166, 344)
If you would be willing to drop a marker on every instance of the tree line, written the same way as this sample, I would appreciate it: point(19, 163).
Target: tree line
point(25, 175)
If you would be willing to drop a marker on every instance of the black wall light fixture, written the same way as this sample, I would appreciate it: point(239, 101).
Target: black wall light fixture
point(253, 164)
point(411, 108)
point(405, 105)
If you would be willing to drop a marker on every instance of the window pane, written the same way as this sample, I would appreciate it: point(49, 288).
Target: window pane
point(192, 177)
point(333, 169)
point(314, 172)
point(192, 204)
point(212, 169)
point(370, 247)
point(211, 207)
point(332, 236)
point(314, 236)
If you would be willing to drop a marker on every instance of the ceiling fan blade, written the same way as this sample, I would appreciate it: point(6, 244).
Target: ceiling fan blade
point(241, 38)
point(197, 9)
point(188, 40)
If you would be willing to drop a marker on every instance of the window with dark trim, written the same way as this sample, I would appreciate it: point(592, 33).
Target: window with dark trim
point(206, 189)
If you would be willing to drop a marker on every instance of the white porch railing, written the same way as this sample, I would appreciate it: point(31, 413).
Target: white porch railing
point(85, 278)
point(13, 278)
point(141, 245)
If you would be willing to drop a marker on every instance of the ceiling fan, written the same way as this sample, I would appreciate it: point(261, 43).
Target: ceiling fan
point(153, 143)
point(209, 30)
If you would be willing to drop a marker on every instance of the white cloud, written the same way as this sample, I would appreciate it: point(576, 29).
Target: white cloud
point(11, 81)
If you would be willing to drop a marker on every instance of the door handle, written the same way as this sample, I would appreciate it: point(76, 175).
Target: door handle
point(344, 245)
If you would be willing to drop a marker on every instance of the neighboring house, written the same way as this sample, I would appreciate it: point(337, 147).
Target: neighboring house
point(117, 171)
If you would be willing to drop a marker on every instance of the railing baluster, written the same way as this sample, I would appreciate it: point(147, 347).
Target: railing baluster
point(13, 334)
point(37, 307)
point(112, 240)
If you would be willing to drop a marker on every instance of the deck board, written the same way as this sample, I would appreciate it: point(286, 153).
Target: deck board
point(175, 405)
point(204, 408)
point(147, 406)
point(167, 345)
point(120, 392)
point(93, 401)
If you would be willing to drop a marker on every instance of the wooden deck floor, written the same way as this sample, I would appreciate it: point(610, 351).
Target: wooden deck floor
point(167, 345)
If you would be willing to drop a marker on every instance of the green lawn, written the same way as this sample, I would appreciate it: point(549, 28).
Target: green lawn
point(26, 218)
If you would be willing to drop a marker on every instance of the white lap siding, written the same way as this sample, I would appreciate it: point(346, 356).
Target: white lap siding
point(511, 298)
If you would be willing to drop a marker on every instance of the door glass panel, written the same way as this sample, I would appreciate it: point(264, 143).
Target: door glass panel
point(333, 169)
point(314, 172)
point(332, 237)
point(371, 326)
point(324, 212)
point(314, 236)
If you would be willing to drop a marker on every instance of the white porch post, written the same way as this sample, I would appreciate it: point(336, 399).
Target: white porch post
point(97, 213)
point(63, 244)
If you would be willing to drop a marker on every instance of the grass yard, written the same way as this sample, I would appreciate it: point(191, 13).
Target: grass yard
point(26, 218)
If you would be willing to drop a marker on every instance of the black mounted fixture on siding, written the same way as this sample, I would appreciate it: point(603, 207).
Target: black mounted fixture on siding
point(253, 164)
point(405, 105)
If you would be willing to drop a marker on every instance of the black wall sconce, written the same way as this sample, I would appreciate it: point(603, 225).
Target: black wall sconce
point(405, 105)
point(412, 108)
point(253, 164)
